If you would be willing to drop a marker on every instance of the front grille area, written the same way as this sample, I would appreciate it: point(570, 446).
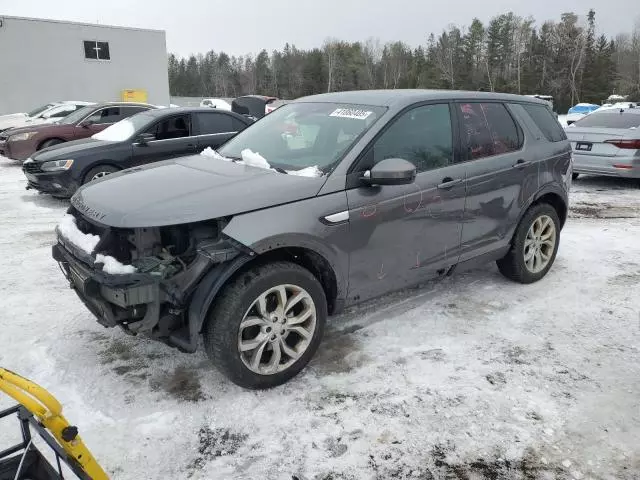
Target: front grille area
point(31, 167)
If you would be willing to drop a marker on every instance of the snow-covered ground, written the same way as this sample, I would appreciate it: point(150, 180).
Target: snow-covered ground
point(469, 377)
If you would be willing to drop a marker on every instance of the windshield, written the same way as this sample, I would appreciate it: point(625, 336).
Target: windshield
point(125, 129)
point(610, 119)
point(40, 109)
point(301, 135)
point(78, 115)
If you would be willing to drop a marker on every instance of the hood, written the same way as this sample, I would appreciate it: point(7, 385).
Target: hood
point(71, 150)
point(186, 190)
point(32, 128)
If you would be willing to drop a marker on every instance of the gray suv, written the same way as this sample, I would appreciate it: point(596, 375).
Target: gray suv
point(326, 202)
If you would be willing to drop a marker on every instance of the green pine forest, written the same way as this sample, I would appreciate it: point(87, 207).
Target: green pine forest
point(566, 58)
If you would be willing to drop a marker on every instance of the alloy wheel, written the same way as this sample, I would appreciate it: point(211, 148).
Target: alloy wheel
point(277, 329)
point(539, 244)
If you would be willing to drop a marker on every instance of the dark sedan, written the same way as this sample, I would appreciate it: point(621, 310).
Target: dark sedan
point(21, 143)
point(144, 138)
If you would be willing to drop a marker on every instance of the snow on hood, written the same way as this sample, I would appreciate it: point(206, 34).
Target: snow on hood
point(87, 243)
point(70, 231)
point(307, 172)
point(118, 132)
point(254, 159)
point(210, 152)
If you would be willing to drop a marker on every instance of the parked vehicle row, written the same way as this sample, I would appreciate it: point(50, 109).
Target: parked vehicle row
point(48, 113)
point(326, 202)
point(149, 136)
point(21, 143)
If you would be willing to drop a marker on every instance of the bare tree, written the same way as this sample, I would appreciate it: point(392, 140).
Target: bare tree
point(330, 48)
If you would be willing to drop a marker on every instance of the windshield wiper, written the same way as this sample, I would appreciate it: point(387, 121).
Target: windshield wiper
point(280, 170)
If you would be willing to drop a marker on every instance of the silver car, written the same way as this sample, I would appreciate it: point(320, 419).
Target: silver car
point(607, 143)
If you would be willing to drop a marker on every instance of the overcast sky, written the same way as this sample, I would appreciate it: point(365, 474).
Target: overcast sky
point(239, 27)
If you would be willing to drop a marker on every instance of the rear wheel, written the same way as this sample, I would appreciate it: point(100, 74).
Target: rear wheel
point(50, 143)
point(266, 325)
point(99, 172)
point(534, 245)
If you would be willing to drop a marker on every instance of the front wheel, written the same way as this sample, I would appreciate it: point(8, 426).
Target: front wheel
point(534, 246)
point(99, 172)
point(575, 176)
point(266, 325)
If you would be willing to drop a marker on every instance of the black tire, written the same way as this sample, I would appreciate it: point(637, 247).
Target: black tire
point(512, 265)
point(222, 326)
point(106, 169)
point(575, 176)
point(50, 143)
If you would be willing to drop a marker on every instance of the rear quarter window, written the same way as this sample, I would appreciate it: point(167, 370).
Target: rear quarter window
point(611, 119)
point(546, 122)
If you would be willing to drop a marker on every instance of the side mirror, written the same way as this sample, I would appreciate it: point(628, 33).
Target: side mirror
point(391, 171)
point(145, 138)
point(87, 123)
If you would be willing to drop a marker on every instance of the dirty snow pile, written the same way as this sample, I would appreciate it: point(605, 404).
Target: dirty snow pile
point(254, 159)
point(87, 243)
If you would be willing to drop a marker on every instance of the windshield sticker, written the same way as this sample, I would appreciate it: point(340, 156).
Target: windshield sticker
point(350, 113)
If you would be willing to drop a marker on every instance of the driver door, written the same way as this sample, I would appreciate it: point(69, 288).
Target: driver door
point(404, 234)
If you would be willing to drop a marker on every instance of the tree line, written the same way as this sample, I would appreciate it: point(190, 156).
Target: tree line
point(565, 59)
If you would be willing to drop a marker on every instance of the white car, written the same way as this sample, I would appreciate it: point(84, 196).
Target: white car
point(579, 111)
point(618, 105)
point(48, 113)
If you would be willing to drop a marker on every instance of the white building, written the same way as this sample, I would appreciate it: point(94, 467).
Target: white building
point(47, 60)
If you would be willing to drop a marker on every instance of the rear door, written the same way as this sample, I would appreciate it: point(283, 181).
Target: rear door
point(214, 128)
point(172, 138)
point(497, 166)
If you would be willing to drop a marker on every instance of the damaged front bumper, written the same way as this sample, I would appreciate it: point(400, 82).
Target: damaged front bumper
point(136, 297)
point(141, 302)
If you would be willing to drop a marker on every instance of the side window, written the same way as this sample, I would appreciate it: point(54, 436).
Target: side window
point(546, 122)
point(211, 123)
point(62, 112)
point(172, 127)
point(128, 111)
point(237, 125)
point(423, 136)
point(488, 129)
point(106, 115)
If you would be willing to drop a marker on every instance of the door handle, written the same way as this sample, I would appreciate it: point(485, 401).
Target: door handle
point(449, 182)
point(191, 145)
point(521, 164)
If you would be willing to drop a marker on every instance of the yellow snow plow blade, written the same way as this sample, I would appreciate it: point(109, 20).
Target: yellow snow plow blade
point(48, 410)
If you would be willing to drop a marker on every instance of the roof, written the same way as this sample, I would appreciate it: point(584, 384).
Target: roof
point(66, 22)
point(169, 111)
point(122, 104)
point(388, 98)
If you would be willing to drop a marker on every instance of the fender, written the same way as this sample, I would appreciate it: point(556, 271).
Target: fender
point(202, 299)
point(548, 188)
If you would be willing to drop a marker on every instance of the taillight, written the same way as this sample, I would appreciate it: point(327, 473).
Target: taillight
point(626, 144)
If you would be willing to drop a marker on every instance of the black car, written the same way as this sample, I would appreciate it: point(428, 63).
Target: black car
point(144, 138)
